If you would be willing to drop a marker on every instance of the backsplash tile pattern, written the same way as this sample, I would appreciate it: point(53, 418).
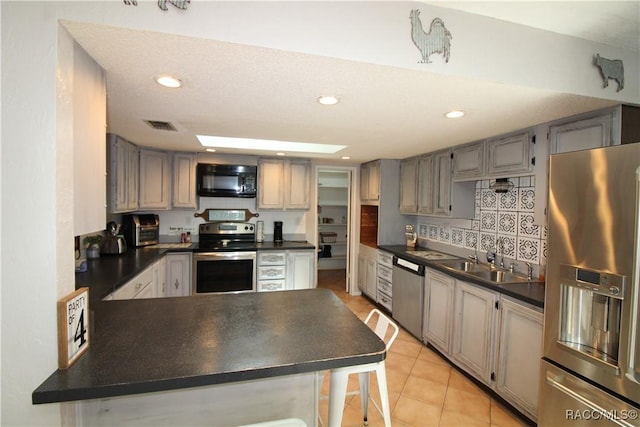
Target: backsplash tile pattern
point(506, 216)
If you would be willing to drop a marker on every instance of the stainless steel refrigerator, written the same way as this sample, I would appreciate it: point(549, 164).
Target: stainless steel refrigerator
point(590, 373)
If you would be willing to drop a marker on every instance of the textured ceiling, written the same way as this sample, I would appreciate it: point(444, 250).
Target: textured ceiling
point(253, 92)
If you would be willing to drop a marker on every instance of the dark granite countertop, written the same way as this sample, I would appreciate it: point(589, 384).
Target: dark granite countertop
point(150, 345)
point(532, 292)
point(107, 273)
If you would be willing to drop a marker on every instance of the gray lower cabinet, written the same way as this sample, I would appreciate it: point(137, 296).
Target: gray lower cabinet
point(300, 269)
point(368, 271)
point(178, 275)
point(474, 329)
point(438, 310)
point(141, 286)
point(493, 337)
point(519, 352)
point(285, 270)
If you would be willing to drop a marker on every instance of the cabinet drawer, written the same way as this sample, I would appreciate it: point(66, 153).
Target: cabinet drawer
point(385, 258)
point(271, 285)
point(135, 285)
point(272, 258)
point(384, 300)
point(272, 272)
point(385, 286)
point(385, 272)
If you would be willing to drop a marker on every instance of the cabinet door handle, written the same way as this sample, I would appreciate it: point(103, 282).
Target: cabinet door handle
point(177, 284)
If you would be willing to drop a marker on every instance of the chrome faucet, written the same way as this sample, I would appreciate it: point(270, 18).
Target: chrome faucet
point(474, 258)
point(500, 245)
point(512, 267)
point(529, 271)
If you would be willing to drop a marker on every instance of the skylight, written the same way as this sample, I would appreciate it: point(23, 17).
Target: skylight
point(267, 145)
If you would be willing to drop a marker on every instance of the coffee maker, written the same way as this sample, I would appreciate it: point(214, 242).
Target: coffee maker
point(277, 231)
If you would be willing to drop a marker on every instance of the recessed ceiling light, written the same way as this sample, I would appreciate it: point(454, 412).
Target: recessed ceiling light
point(211, 150)
point(267, 145)
point(280, 154)
point(328, 100)
point(169, 81)
point(454, 114)
point(346, 157)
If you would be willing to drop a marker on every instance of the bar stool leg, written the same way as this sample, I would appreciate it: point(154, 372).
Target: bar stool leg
point(363, 380)
point(337, 393)
point(384, 394)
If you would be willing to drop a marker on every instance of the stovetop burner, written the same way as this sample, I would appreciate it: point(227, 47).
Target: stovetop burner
point(227, 236)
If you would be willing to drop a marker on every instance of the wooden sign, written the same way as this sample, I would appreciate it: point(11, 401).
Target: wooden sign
point(73, 327)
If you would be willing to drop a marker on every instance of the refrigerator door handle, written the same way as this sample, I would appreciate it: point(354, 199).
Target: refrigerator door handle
point(555, 381)
point(634, 334)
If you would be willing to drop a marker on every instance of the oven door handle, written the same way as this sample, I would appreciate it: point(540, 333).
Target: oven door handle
point(212, 256)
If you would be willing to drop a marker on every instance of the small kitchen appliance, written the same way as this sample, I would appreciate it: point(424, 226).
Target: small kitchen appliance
point(141, 229)
point(411, 235)
point(591, 354)
point(260, 231)
point(226, 180)
point(111, 243)
point(277, 232)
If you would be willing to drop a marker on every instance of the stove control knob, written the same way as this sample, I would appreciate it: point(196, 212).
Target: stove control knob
point(246, 227)
point(251, 228)
point(614, 290)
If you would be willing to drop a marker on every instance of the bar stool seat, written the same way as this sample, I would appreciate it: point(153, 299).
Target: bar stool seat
point(387, 331)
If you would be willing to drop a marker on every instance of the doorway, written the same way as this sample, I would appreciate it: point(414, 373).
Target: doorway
point(334, 218)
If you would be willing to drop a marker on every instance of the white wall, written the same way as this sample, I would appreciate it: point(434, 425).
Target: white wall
point(37, 260)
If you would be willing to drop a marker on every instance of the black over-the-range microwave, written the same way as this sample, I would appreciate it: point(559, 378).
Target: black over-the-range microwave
point(226, 180)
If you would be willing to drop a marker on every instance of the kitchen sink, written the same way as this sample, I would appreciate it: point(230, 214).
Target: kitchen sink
point(461, 265)
point(485, 272)
point(500, 276)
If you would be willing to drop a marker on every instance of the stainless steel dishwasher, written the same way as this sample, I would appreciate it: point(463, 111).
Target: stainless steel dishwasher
point(408, 293)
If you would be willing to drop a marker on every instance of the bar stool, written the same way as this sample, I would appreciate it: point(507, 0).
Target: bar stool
point(339, 377)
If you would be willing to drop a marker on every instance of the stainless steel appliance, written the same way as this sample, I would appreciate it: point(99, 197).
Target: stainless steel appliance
point(408, 293)
point(225, 260)
point(112, 243)
point(277, 231)
point(591, 354)
point(141, 229)
point(226, 180)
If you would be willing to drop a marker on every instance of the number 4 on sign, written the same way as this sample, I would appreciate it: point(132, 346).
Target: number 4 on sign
point(73, 333)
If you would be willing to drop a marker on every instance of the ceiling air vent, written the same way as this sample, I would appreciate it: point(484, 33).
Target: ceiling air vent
point(161, 125)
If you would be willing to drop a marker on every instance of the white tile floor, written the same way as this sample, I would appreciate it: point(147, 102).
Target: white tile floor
point(424, 389)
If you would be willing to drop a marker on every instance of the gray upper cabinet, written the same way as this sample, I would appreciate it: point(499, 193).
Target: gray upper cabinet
point(122, 158)
point(469, 161)
point(408, 185)
point(184, 181)
point(442, 183)
point(509, 155)
point(582, 134)
point(370, 181)
point(425, 184)
point(284, 184)
point(155, 180)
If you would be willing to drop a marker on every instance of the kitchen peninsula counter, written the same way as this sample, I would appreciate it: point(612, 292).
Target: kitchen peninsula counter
point(144, 346)
point(108, 272)
point(531, 292)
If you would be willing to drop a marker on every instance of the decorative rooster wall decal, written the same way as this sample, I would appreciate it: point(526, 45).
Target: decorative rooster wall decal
point(162, 4)
point(437, 40)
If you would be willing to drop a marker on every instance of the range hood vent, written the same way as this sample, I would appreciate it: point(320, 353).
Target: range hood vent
point(161, 125)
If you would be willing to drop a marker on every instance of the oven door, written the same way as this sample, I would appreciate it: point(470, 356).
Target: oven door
point(220, 272)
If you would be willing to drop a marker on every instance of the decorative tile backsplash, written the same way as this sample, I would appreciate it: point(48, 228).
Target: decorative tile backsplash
point(506, 216)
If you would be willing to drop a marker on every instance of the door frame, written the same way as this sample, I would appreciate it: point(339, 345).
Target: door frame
point(353, 220)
